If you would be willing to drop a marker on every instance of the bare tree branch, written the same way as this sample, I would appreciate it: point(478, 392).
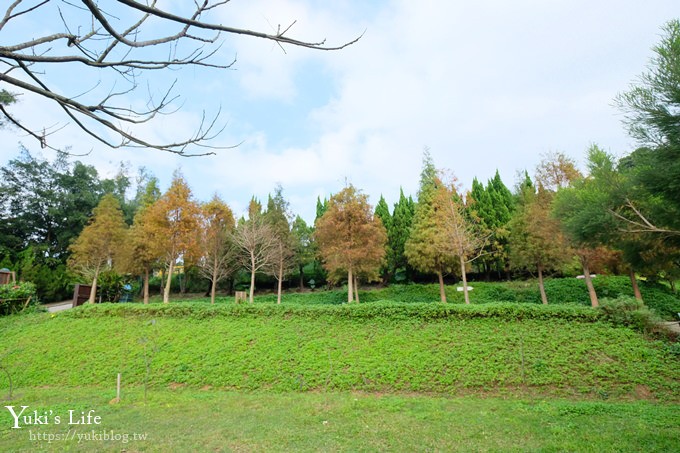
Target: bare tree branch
point(98, 39)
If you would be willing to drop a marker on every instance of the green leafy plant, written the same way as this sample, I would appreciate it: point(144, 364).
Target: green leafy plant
point(15, 297)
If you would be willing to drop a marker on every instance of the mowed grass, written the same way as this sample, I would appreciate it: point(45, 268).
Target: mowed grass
point(210, 420)
point(281, 350)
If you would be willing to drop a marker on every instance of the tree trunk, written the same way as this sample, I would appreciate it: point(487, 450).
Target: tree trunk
point(93, 290)
point(213, 286)
point(168, 281)
point(589, 283)
point(278, 289)
point(672, 282)
point(350, 280)
point(541, 286)
point(146, 285)
point(162, 280)
point(302, 277)
point(633, 281)
point(442, 292)
point(252, 277)
point(356, 289)
point(464, 275)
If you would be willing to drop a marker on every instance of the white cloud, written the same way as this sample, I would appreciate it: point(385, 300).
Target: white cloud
point(489, 84)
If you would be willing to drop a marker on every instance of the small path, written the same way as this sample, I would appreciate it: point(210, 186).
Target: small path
point(58, 306)
point(673, 326)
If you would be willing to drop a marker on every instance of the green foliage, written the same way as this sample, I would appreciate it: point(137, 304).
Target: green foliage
point(492, 206)
point(426, 246)
point(652, 114)
point(630, 312)
point(378, 310)
point(397, 235)
point(52, 280)
point(13, 297)
point(381, 346)
point(109, 286)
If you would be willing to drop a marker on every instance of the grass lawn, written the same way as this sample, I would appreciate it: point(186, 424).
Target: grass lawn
point(212, 420)
point(381, 376)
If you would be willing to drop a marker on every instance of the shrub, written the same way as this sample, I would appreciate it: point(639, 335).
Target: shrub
point(13, 297)
point(630, 312)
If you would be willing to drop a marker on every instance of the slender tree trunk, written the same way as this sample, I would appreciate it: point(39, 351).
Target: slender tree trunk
point(464, 275)
point(302, 277)
point(93, 290)
point(350, 280)
point(442, 292)
point(589, 283)
point(168, 281)
point(356, 289)
point(278, 289)
point(633, 281)
point(213, 286)
point(252, 276)
point(541, 286)
point(146, 285)
point(162, 280)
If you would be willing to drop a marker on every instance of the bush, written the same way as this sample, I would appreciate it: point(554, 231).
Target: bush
point(385, 310)
point(13, 297)
point(630, 312)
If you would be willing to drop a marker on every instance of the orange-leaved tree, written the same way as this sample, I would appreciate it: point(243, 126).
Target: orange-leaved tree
point(351, 239)
point(464, 239)
point(536, 241)
point(426, 248)
point(142, 251)
point(100, 241)
point(174, 223)
point(216, 261)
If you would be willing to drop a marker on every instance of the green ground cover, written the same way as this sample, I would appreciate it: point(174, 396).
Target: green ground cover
point(314, 375)
point(381, 347)
point(559, 291)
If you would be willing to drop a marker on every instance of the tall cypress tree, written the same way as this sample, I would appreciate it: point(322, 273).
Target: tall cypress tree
point(382, 211)
point(398, 234)
point(321, 207)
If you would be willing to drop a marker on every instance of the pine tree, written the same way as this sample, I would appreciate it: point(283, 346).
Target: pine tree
point(321, 207)
point(398, 234)
point(383, 212)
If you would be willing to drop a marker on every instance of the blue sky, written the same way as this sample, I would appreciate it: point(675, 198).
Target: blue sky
point(485, 85)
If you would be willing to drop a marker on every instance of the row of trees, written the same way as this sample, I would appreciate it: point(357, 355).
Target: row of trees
point(621, 215)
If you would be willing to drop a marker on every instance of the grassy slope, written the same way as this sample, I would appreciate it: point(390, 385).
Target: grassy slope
point(283, 350)
point(379, 376)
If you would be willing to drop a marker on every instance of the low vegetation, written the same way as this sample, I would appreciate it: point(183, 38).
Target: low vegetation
point(209, 420)
point(495, 349)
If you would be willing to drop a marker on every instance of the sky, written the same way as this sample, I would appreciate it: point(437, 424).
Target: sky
point(487, 86)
